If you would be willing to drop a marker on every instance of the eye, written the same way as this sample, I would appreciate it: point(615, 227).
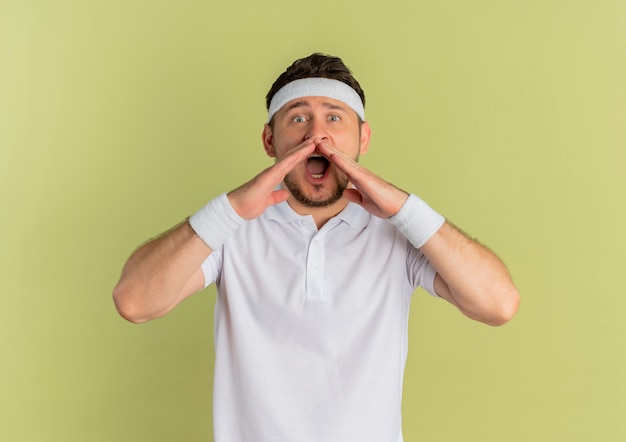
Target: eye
point(334, 118)
point(299, 119)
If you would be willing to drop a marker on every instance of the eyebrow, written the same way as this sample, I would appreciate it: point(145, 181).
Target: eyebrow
point(305, 103)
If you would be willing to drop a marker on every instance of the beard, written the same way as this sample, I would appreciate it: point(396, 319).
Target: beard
point(341, 183)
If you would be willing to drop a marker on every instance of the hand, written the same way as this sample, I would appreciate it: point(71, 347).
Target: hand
point(251, 199)
point(374, 194)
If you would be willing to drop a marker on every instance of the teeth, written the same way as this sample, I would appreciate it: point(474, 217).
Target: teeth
point(317, 176)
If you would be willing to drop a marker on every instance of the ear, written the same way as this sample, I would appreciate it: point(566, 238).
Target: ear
point(268, 140)
point(366, 134)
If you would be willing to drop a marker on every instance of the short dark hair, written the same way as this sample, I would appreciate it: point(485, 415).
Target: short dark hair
point(316, 65)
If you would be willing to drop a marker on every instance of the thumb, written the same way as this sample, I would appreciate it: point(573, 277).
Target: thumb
point(353, 195)
point(278, 196)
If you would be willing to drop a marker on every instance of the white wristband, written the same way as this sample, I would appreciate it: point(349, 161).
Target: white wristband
point(417, 221)
point(216, 221)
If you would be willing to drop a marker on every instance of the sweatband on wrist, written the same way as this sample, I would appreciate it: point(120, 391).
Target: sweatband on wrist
point(216, 221)
point(417, 221)
point(316, 87)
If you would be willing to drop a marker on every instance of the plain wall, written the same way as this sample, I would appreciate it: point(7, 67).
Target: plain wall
point(120, 118)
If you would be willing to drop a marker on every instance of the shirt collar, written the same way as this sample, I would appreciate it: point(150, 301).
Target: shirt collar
point(353, 214)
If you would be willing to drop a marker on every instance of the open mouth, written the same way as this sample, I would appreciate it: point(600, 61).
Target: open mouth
point(317, 165)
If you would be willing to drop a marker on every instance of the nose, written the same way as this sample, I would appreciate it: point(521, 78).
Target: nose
point(316, 129)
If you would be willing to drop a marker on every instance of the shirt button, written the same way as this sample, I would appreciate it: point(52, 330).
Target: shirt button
point(315, 267)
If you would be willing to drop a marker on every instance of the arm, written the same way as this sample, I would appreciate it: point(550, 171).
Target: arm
point(471, 277)
point(166, 270)
point(160, 274)
point(468, 275)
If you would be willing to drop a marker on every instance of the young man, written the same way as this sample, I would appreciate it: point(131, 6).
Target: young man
point(315, 261)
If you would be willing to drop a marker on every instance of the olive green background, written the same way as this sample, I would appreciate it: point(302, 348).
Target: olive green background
point(119, 118)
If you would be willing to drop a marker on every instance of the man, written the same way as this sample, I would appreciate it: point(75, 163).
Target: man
point(315, 261)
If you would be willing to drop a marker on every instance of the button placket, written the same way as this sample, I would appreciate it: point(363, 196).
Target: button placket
point(315, 268)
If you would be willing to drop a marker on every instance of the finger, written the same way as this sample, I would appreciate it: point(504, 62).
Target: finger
point(361, 178)
point(304, 145)
point(335, 155)
point(344, 162)
point(292, 158)
point(370, 191)
point(269, 178)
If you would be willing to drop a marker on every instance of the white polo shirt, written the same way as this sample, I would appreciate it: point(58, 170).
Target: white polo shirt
point(311, 328)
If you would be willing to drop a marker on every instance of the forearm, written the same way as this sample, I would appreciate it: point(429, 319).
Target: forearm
point(471, 276)
point(468, 275)
point(160, 274)
point(166, 270)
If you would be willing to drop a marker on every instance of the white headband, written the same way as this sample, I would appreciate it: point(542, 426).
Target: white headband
point(316, 87)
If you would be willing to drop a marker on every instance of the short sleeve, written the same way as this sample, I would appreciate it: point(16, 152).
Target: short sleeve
point(212, 266)
point(421, 272)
